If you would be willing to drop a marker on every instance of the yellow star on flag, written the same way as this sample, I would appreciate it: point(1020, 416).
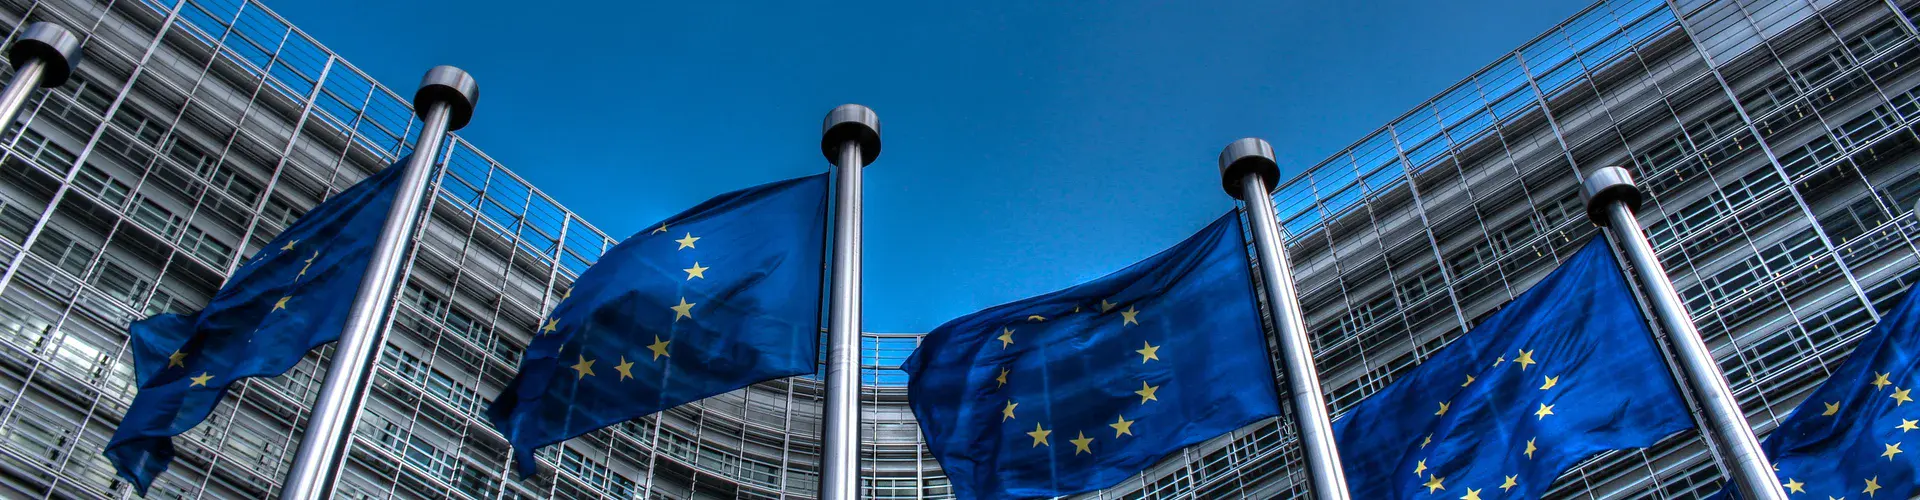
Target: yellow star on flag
point(1469, 381)
point(1002, 379)
point(1006, 337)
point(1083, 444)
point(1550, 382)
point(585, 366)
point(282, 303)
point(1512, 481)
point(1435, 483)
point(659, 348)
point(1472, 494)
point(1420, 469)
point(1873, 485)
point(1545, 409)
point(1427, 441)
point(1036, 318)
point(303, 269)
point(1146, 392)
point(1443, 408)
point(687, 242)
point(1131, 316)
point(684, 310)
point(289, 245)
point(1039, 436)
point(625, 368)
point(1880, 381)
point(658, 230)
point(1530, 448)
point(1107, 306)
point(552, 324)
point(200, 381)
point(1123, 427)
point(1892, 449)
point(1832, 408)
point(1149, 352)
point(1908, 425)
point(1795, 486)
point(1900, 396)
point(696, 272)
point(1007, 413)
point(177, 359)
point(1524, 360)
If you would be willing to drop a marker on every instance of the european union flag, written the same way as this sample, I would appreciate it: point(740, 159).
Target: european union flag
point(291, 297)
point(1567, 370)
point(1082, 388)
point(719, 297)
point(1849, 436)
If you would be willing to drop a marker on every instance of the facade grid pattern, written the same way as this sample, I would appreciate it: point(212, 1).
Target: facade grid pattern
point(1775, 139)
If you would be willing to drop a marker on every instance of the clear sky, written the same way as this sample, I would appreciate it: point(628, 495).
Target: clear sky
point(1029, 146)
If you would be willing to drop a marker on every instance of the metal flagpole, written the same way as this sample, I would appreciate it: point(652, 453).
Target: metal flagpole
point(44, 56)
point(851, 141)
point(444, 102)
point(1612, 199)
point(1249, 173)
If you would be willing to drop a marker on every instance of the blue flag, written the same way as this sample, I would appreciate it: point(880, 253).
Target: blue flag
point(1848, 439)
point(1567, 370)
point(1082, 388)
point(291, 297)
point(719, 297)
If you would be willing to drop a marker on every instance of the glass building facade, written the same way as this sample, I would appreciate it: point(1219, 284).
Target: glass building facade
point(1775, 139)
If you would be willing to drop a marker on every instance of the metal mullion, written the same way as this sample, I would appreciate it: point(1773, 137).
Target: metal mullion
point(1426, 225)
point(1373, 222)
point(53, 202)
point(279, 167)
point(453, 289)
point(1905, 22)
point(1861, 65)
point(786, 438)
point(80, 282)
point(1805, 209)
point(1473, 200)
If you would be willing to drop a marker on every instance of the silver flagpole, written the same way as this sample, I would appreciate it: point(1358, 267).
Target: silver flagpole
point(851, 141)
point(1612, 199)
point(1249, 173)
point(444, 102)
point(44, 56)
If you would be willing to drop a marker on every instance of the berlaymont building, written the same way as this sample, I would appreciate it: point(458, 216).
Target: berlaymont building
point(1775, 140)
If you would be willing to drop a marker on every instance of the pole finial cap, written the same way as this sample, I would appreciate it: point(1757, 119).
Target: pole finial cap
point(1250, 155)
point(1608, 185)
point(451, 86)
point(851, 122)
point(49, 43)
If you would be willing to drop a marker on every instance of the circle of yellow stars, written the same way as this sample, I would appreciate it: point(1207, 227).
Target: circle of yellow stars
point(1082, 443)
point(660, 348)
point(1525, 360)
point(1900, 396)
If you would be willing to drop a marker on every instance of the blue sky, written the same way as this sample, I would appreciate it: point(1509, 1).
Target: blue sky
point(1028, 146)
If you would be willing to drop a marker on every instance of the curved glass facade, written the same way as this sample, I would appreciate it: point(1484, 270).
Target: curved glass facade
point(1775, 139)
